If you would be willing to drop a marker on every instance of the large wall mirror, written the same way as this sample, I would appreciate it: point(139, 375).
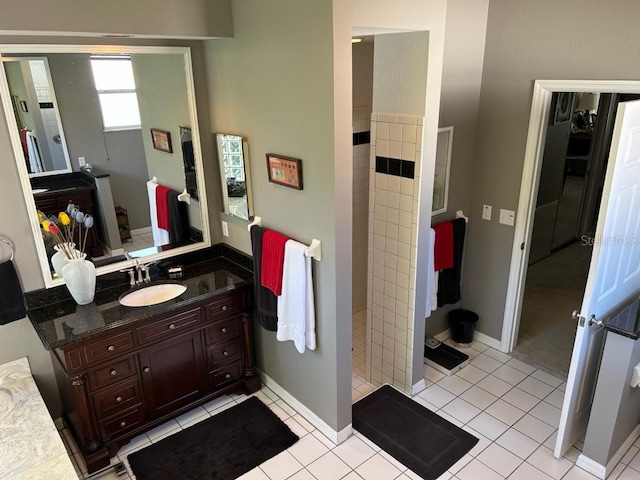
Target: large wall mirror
point(113, 130)
point(233, 158)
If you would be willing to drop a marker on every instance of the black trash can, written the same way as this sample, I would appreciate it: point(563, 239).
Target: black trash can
point(463, 326)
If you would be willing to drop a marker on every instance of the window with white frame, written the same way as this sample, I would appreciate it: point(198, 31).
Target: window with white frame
point(116, 87)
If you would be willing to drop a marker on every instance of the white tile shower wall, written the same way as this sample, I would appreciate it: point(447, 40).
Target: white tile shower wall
point(393, 216)
point(361, 123)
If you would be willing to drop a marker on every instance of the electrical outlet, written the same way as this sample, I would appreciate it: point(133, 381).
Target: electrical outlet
point(225, 229)
point(81, 161)
point(507, 217)
point(486, 212)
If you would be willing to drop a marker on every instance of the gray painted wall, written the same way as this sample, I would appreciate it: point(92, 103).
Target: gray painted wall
point(616, 406)
point(528, 41)
point(460, 107)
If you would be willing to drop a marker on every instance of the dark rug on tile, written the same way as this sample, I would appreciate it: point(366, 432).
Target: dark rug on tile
point(415, 436)
point(222, 447)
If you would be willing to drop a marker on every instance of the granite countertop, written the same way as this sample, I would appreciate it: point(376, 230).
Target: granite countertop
point(30, 446)
point(62, 321)
point(627, 322)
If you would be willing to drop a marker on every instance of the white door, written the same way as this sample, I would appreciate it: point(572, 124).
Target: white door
point(614, 275)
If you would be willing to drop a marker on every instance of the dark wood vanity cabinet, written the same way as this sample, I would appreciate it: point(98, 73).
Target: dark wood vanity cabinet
point(125, 381)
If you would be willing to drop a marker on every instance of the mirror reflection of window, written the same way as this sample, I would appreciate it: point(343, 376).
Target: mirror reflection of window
point(113, 76)
point(235, 176)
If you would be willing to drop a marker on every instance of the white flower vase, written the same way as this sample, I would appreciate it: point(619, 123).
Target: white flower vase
point(80, 277)
point(59, 259)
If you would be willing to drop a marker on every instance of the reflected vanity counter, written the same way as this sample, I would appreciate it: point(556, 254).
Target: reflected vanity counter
point(124, 370)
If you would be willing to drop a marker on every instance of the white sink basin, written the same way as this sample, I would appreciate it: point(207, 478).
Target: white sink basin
point(152, 295)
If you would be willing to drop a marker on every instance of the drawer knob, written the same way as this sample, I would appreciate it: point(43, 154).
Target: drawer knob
point(146, 369)
point(113, 371)
point(225, 353)
point(227, 376)
point(111, 348)
point(223, 329)
point(123, 424)
point(224, 308)
point(118, 399)
point(172, 326)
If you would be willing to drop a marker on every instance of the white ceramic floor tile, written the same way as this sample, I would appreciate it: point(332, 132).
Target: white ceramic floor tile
point(509, 374)
point(496, 354)
point(354, 452)
point(483, 442)
point(307, 450)
point(528, 472)
point(629, 474)
point(472, 374)
point(520, 365)
point(486, 363)
point(505, 412)
point(544, 460)
point(281, 466)
point(454, 384)
point(488, 426)
point(460, 464)
point(577, 473)
point(476, 470)
point(494, 385)
point(436, 395)
point(499, 459)
point(521, 399)
point(555, 398)
point(461, 410)
point(329, 467)
point(432, 374)
point(635, 462)
point(255, 474)
point(547, 378)
point(547, 413)
point(478, 397)
point(163, 430)
point(535, 387)
point(188, 418)
point(518, 443)
point(534, 428)
point(302, 475)
point(630, 455)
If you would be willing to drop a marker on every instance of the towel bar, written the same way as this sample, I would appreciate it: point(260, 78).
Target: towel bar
point(313, 251)
point(10, 243)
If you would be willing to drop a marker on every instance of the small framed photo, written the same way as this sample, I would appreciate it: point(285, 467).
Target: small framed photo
point(285, 171)
point(161, 140)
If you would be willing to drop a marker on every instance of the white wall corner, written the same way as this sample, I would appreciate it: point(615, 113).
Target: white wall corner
point(616, 457)
point(418, 387)
point(336, 437)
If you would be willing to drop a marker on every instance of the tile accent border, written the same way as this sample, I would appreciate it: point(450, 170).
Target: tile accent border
point(361, 138)
point(395, 166)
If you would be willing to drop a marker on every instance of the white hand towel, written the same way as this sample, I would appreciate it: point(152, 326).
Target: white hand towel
point(160, 235)
point(296, 309)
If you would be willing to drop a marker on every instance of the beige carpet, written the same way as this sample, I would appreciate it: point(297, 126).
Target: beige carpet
point(554, 288)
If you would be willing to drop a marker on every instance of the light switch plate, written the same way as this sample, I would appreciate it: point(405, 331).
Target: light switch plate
point(81, 161)
point(225, 229)
point(486, 212)
point(507, 217)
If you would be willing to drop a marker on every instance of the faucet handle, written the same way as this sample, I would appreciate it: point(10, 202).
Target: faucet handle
point(146, 268)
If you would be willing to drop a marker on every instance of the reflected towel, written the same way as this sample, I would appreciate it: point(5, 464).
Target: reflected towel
point(11, 298)
point(296, 308)
point(162, 207)
point(160, 236)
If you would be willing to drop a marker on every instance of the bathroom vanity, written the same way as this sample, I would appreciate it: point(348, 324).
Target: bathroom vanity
point(122, 371)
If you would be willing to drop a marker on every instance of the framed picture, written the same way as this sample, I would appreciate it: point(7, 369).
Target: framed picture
point(562, 108)
point(285, 171)
point(161, 140)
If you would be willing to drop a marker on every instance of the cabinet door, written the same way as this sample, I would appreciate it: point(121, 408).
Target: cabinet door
point(173, 374)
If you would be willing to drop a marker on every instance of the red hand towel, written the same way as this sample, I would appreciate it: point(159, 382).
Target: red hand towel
point(162, 207)
point(443, 250)
point(272, 261)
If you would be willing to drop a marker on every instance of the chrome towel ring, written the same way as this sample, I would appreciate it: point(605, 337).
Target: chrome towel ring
point(10, 243)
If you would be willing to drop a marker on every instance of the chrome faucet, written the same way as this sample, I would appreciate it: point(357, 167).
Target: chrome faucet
point(139, 273)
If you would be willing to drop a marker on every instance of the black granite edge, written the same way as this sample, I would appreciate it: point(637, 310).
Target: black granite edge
point(120, 281)
point(623, 332)
point(626, 322)
point(60, 181)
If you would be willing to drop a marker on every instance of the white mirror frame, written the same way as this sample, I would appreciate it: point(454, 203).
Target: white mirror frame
point(5, 97)
point(445, 134)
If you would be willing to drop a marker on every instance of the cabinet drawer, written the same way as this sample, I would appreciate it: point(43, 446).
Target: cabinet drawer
point(225, 306)
point(112, 373)
point(228, 352)
point(222, 331)
point(123, 423)
point(168, 326)
point(117, 398)
point(112, 346)
point(224, 375)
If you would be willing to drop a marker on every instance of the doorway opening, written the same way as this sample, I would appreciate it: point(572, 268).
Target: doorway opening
point(565, 164)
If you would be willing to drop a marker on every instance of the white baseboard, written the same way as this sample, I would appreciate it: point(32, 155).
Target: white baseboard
point(602, 471)
point(418, 387)
point(481, 337)
point(333, 435)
